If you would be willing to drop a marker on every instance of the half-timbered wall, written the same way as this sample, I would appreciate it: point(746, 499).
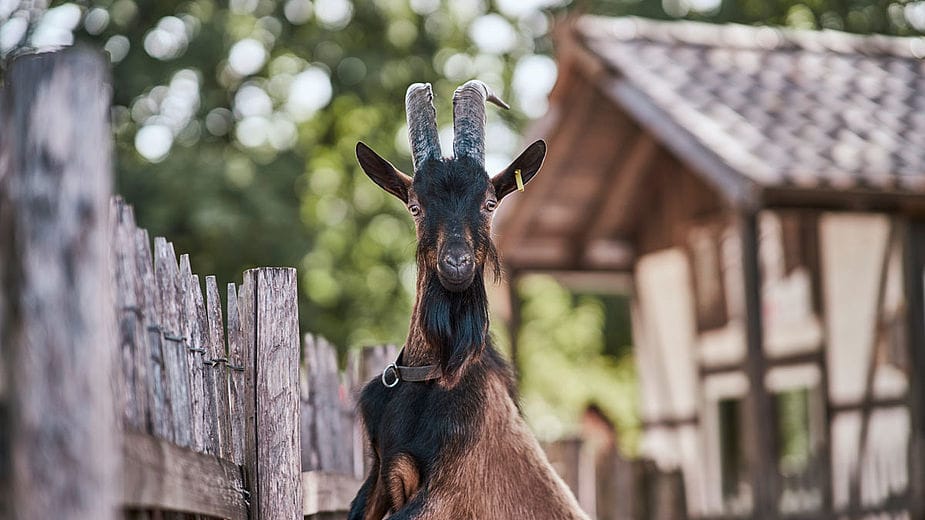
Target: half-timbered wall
point(866, 357)
point(665, 337)
point(835, 347)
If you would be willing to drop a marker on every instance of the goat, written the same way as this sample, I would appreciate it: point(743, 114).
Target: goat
point(446, 435)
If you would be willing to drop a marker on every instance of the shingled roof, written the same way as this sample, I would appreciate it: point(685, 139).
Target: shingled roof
point(781, 107)
point(736, 117)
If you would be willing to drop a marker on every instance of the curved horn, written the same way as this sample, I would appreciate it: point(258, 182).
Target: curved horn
point(422, 124)
point(469, 119)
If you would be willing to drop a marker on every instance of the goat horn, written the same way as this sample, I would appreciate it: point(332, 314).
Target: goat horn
point(422, 124)
point(469, 119)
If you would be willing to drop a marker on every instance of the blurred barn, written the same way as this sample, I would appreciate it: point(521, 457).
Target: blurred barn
point(761, 194)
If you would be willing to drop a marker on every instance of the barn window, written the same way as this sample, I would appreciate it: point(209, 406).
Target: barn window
point(733, 461)
point(798, 448)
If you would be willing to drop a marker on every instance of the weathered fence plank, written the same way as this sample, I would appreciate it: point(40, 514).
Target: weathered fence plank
point(161, 475)
point(270, 323)
point(131, 331)
point(173, 344)
point(55, 181)
point(201, 329)
point(218, 366)
point(236, 373)
point(191, 330)
point(161, 424)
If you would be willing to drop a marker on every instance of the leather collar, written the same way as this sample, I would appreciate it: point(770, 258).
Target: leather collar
point(396, 372)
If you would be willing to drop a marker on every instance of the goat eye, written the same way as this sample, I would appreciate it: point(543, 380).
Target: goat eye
point(414, 209)
point(490, 205)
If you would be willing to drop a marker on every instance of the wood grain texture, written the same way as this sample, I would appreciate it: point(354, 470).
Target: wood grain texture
point(270, 318)
point(914, 266)
point(130, 327)
point(759, 439)
point(327, 413)
point(236, 376)
point(191, 328)
point(160, 475)
point(247, 307)
point(55, 299)
point(218, 366)
point(173, 343)
point(159, 420)
point(327, 492)
point(210, 431)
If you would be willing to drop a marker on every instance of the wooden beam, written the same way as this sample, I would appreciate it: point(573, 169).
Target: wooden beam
point(914, 268)
point(157, 474)
point(607, 254)
point(513, 324)
point(608, 174)
point(760, 431)
point(853, 200)
point(537, 254)
point(627, 178)
point(555, 254)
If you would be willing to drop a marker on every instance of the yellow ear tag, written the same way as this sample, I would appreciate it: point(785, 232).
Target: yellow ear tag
point(519, 179)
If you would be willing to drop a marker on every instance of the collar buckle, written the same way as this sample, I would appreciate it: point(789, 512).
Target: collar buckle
point(385, 378)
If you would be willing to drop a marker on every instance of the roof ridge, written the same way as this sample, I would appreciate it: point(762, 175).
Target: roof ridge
point(740, 36)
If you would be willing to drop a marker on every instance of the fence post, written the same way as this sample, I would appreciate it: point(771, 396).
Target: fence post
point(270, 328)
point(56, 335)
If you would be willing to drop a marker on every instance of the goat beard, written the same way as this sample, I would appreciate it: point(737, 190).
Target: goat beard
point(455, 324)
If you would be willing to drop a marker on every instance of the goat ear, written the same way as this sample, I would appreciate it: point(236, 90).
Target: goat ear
point(383, 173)
point(528, 162)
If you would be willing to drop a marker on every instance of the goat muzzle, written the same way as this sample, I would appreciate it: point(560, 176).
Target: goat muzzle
point(456, 267)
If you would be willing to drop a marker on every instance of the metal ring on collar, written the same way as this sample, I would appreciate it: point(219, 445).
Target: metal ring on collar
point(395, 374)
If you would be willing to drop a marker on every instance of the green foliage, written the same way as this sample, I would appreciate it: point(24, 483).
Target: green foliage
point(565, 365)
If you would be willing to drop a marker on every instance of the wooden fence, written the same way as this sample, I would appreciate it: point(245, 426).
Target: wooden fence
point(209, 407)
point(123, 389)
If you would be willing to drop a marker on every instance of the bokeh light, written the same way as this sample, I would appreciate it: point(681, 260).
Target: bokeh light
point(247, 57)
point(56, 28)
point(309, 92)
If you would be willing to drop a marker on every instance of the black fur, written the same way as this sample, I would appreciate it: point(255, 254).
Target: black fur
point(456, 321)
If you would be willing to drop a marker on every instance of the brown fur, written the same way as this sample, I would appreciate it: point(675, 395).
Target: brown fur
point(504, 476)
point(403, 480)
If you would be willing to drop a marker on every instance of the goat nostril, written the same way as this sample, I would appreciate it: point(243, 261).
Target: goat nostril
point(457, 262)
